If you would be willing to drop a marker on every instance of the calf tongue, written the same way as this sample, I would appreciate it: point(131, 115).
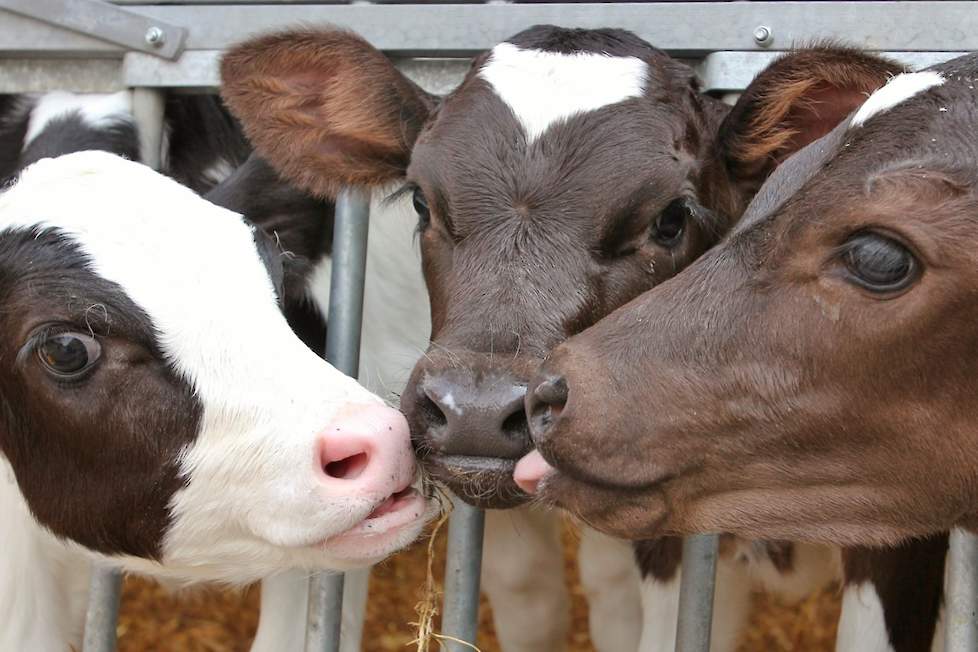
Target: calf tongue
point(530, 471)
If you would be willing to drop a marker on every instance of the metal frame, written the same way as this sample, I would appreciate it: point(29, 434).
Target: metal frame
point(94, 46)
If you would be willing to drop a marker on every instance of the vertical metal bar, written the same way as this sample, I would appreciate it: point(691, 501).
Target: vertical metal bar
point(460, 619)
point(699, 572)
point(103, 610)
point(350, 224)
point(961, 594)
point(147, 109)
point(106, 583)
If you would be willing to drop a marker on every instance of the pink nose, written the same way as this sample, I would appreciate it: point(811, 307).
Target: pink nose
point(530, 471)
point(366, 449)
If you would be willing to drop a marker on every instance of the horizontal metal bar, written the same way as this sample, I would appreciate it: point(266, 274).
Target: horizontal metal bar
point(681, 28)
point(106, 22)
point(733, 71)
point(73, 75)
point(201, 69)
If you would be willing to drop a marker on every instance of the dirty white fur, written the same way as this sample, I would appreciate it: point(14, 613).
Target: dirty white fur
point(612, 586)
point(898, 90)
point(740, 571)
point(94, 108)
point(862, 627)
point(731, 605)
point(543, 88)
point(523, 577)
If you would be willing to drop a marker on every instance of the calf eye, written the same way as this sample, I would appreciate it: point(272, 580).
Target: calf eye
point(421, 207)
point(69, 355)
point(879, 263)
point(669, 227)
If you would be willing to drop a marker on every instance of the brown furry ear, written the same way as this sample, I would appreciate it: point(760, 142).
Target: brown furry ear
point(796, 100)
point(324, 107)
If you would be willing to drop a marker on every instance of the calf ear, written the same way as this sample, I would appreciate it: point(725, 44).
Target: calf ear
point(324, 107)
point(793, 102)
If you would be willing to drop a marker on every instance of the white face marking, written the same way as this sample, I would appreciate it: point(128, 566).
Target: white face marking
point(194, 269)
point(899, 89)
point(95, 109)
point(542, 88)
point(862, 627)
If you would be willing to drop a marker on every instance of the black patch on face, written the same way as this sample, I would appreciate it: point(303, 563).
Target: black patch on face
point(71, 133)
point(96, 459)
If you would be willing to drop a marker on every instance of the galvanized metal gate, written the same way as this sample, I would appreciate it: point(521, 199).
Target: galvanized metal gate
point(174, 46)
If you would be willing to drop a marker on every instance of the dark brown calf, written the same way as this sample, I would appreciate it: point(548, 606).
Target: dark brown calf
point(810, 378)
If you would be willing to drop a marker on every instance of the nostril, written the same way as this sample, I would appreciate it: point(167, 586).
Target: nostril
point(549, 399)
point(348, 468)
point(552, 391)
point(515, 426)
point(431, 413)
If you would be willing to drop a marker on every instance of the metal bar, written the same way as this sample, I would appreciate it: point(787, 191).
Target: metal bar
point(147, 109)
point(961, 598)
point(325, 613)
point(105, 22)
point(350, 226)
point(103, 610)
point(696, 587)
point(460, 613)
point(680, 28)
point(732, 71)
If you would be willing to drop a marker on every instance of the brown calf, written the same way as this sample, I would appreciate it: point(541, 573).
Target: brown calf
point(811, 377)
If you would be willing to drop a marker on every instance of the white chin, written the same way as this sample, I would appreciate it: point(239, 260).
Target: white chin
point(373, 539)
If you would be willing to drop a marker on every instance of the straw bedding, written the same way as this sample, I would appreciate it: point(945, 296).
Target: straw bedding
point(224, 621)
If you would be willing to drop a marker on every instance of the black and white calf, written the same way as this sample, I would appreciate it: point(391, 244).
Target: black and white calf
point(157, 411)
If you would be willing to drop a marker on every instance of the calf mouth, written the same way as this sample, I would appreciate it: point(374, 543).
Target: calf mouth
point(393, 523)
point(485, 482)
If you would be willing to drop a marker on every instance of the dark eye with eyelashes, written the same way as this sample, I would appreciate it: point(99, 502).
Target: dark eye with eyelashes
point(421, 208)
point(879, 263)
point(670, 225)
point(68, 355)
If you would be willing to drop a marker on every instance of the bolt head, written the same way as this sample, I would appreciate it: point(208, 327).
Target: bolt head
point(155, 37)
point(763, 35)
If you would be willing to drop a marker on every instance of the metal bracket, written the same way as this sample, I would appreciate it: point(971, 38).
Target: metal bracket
point(106, 22)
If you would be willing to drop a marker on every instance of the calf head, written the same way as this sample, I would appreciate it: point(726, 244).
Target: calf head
point(569, 172)
point(812, 377)
point(154, 404)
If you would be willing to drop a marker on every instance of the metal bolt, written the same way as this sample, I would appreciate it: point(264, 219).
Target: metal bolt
point(763, 36)
point(155, 37)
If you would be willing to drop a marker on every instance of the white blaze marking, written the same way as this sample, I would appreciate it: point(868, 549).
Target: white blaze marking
point(897, 90)
point(95, 109)
point(862, 627)
point(542, 88)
